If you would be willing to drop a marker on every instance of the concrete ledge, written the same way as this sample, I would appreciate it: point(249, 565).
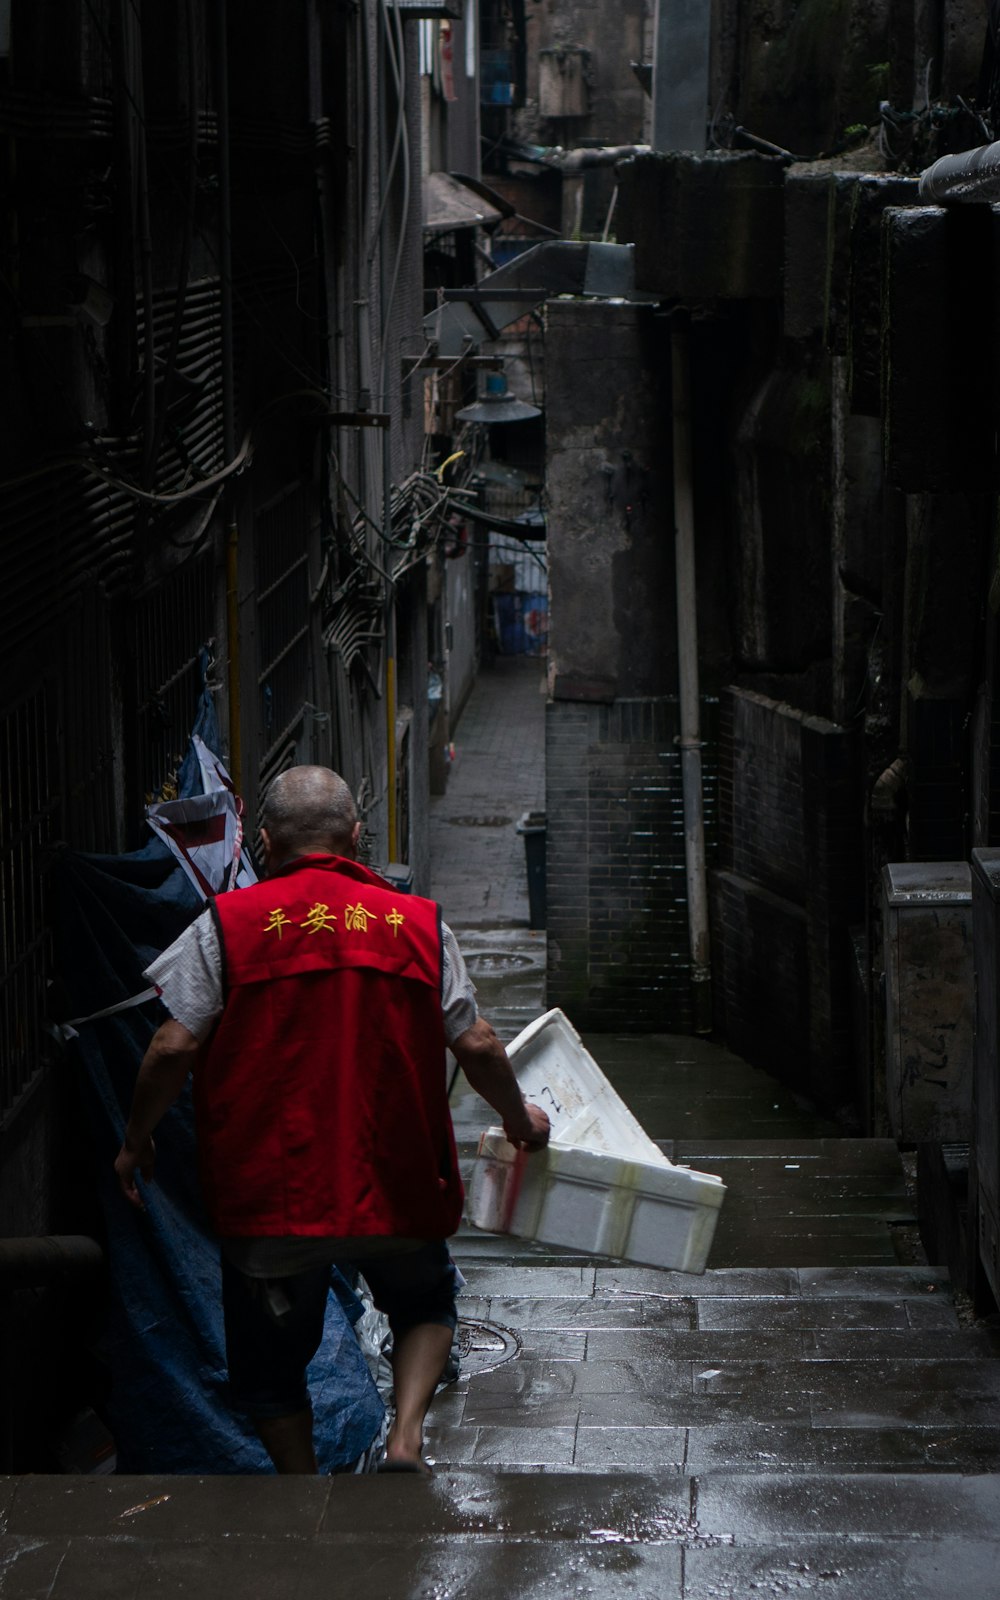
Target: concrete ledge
point(704, 227)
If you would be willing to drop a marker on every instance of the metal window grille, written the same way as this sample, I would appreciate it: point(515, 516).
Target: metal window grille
point(170, 626)
point(28, 807)
point(89, 728)
point(281, 553)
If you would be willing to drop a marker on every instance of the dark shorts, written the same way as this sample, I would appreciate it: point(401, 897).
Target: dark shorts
point(274, 1325)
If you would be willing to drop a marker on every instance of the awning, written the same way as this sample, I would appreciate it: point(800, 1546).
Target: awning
point(448, 205)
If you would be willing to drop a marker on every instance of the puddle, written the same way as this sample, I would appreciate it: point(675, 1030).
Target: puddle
point(498, 963)
point(666, 1527)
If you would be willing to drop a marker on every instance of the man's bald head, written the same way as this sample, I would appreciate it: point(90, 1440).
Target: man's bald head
point(308, 809)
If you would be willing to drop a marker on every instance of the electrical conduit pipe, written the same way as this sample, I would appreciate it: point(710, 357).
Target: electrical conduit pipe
point(687, 652)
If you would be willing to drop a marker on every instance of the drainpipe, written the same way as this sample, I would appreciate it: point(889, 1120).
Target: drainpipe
point(687, 651)
point(33, 1262)
point(228, 400)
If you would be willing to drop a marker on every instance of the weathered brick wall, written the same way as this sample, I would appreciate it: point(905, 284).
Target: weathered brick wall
point(617, 906)
point(766, 833)
point(790, 885)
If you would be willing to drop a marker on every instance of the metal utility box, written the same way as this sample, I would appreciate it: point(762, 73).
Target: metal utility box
point(929, 999)
point(564, 82)
point(984, 1174)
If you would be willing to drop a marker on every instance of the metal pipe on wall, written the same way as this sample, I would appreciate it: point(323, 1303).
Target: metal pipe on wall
point(232, 562)
point(972, 176)
point(31, 1263)
point(687, 653)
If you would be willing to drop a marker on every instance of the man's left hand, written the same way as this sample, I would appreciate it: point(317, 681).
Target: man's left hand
point(128, 1163)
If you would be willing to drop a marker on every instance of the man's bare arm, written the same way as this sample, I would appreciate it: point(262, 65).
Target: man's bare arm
point(487, 1066)
point(162, 1075)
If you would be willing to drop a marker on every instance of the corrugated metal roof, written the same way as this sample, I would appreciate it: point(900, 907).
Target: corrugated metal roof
point(448, 205)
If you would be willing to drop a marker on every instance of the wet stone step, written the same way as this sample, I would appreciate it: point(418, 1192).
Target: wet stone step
point(775, 1447)
point(853, 1570)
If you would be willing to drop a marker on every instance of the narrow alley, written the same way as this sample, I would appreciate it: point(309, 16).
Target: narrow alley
point(813, 1415)
point(540, 457)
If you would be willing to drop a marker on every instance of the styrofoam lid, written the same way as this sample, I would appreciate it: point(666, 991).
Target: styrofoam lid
point(557, 1072)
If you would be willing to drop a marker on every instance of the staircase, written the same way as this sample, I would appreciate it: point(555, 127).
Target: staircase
point(815, 1414)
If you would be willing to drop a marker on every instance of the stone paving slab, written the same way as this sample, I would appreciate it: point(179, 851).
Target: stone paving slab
point(166, 1507)
point(539, 1283)
point(509, 1447)
point(777, 1403)
point(753, 1510)
point(805, 1315)
point(777, 1447)
point(639, 1376)
point(916, 1283)
point(903, 1408)
point(701, 1345)
point(749, 1282)
point(923, 1343)
point(631, 1447)
point(945, 1569)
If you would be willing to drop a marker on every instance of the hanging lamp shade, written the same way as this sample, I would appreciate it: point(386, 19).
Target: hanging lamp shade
point(496, 404)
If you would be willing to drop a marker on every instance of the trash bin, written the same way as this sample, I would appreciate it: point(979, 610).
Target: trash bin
point(400, 875)
point(532, 825)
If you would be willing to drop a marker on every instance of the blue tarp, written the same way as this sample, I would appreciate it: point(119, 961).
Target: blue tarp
point(164, 1340)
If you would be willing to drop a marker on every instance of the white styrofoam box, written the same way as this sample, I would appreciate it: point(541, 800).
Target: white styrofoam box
point(555, 1070)
point(601, 1185)
point(654, 1215)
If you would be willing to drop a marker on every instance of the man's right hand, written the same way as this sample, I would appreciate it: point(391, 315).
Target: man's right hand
point(533, 1133)
point(484, 1061)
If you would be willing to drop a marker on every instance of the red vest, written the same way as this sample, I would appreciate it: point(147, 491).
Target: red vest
point(321, 1102)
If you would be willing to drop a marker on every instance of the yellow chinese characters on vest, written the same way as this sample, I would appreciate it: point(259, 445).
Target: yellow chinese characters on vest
point(320, 919)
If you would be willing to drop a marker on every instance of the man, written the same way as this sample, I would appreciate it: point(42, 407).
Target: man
point(314, 1009)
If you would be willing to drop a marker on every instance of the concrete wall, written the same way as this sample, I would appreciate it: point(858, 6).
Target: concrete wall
point(613, 36)
point(617, 915)
point(786, 892)
point(802, 72)
point(612, 629)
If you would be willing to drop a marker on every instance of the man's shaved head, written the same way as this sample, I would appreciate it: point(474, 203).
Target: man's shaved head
point(309, 809)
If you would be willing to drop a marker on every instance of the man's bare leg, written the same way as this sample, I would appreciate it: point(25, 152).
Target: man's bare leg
point(418, 1360)
point(289, 1441)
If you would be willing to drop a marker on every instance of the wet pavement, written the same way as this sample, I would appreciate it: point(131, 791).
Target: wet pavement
point(811, 1416)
